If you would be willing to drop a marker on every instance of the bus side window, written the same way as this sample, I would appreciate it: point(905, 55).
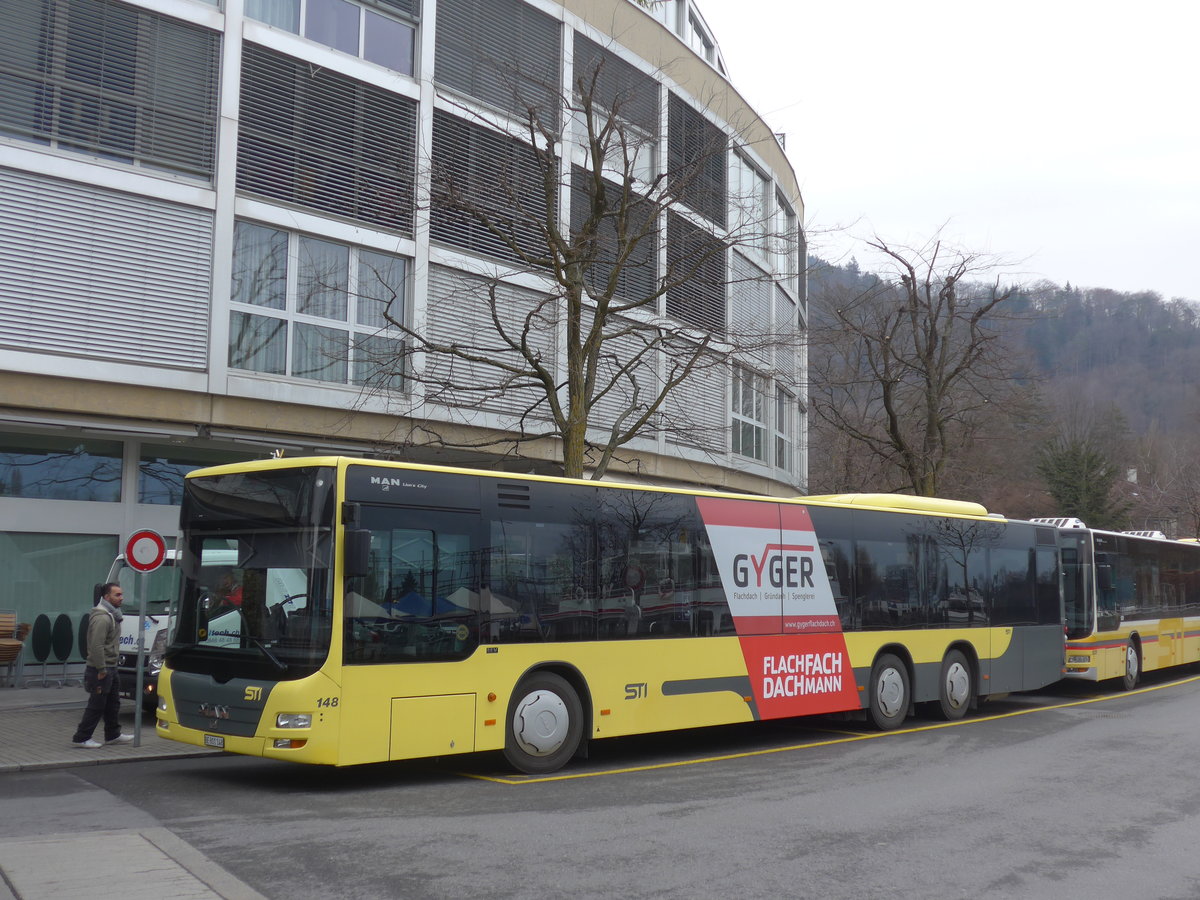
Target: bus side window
point(1104, 573)
point(836, 556)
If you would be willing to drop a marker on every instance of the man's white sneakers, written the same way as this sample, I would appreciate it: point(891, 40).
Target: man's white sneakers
point(93, 744)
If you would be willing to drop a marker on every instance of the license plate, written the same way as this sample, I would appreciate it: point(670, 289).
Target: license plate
point(214, 740)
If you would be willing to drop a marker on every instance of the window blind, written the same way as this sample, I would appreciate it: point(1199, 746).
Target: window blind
point(325, 141)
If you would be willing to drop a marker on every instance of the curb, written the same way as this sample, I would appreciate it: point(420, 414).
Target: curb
point(42, 766)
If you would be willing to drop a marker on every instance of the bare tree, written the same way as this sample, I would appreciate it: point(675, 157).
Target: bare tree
point(1164, 486)
point(907, 367)
point(589, 320)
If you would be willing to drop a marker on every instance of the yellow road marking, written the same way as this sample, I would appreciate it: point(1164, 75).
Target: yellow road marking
point(850, 737)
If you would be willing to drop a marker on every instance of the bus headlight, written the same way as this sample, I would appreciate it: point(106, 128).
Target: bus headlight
point(293, 720)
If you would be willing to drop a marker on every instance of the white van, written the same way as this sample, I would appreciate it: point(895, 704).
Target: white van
point(285, 592)
point(162, 588)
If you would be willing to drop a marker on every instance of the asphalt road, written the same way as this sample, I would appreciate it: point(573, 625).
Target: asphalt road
point(1050, 795)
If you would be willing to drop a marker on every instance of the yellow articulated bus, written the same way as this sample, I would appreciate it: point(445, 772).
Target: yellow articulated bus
point(431, 611)
point(1132, 602)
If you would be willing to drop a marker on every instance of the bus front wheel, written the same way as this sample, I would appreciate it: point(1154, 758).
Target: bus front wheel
point(955, 687)
point(889, 692)
point(545, 724)
point(1133, 667)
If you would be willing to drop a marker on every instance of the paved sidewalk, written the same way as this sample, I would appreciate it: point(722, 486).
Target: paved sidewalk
point(146, 864)
point(36, 724)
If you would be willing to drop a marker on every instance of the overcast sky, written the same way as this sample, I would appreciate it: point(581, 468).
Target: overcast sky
point(1062, 135)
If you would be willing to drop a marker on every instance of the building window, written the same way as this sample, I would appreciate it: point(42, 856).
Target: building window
point(788, 244)
point(503, 53)
point(695, 278)
point(785, 429)
point(621, 243)
point(316, 309)
point(38, 467)
point(667, 12)
point(325, 142)
point(789, 337)
point(699, 39)
point(488, 194)
point(618, 97)
point(383, 32)
point(283, 14)
point(750, 289)
point(161, 470)
point(697, 172)
point(110, 80)
point(749, 199)
point(49, 573)
point(626, 151)
point(749, 407)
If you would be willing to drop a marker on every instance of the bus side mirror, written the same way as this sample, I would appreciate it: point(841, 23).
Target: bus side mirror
point(357, 547)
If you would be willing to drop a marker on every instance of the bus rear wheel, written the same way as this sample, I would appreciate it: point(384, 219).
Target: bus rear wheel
point(889, 692)
point(545, 724)
point(955, 686)
point(1133, 667)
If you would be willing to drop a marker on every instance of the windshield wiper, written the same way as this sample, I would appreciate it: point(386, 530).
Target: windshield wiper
point(266, 651)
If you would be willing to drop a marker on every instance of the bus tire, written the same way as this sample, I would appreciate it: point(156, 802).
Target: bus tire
point(1133, 667)
point(544, 725)
point(890, 693)
point(955, 686)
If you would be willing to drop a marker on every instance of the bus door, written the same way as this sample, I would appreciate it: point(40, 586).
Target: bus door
point(1172, 588)
point(1108, 612)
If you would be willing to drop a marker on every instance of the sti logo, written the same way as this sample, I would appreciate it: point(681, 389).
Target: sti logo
point(785, 565)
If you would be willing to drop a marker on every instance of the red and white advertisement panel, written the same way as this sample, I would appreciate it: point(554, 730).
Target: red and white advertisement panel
point(782, 606)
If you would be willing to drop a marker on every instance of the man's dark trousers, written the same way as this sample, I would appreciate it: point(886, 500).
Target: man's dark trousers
point(104, 702)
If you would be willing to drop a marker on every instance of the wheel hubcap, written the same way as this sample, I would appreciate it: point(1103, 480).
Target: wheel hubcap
point(541, 723)
point(958, 685)
point(890, 691)
point(1131, 664)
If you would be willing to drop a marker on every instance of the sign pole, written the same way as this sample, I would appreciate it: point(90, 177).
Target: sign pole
point(143, 581)
point(144, 552)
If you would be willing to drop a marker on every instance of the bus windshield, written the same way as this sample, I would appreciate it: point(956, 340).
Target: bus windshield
point(256, 561)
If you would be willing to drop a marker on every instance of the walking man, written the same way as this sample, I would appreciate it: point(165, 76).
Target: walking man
point(100, 675)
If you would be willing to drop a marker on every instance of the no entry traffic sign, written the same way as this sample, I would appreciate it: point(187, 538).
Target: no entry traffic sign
point(145, 550)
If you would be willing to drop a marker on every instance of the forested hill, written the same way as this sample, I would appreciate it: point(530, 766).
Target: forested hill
point(1133, 351)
